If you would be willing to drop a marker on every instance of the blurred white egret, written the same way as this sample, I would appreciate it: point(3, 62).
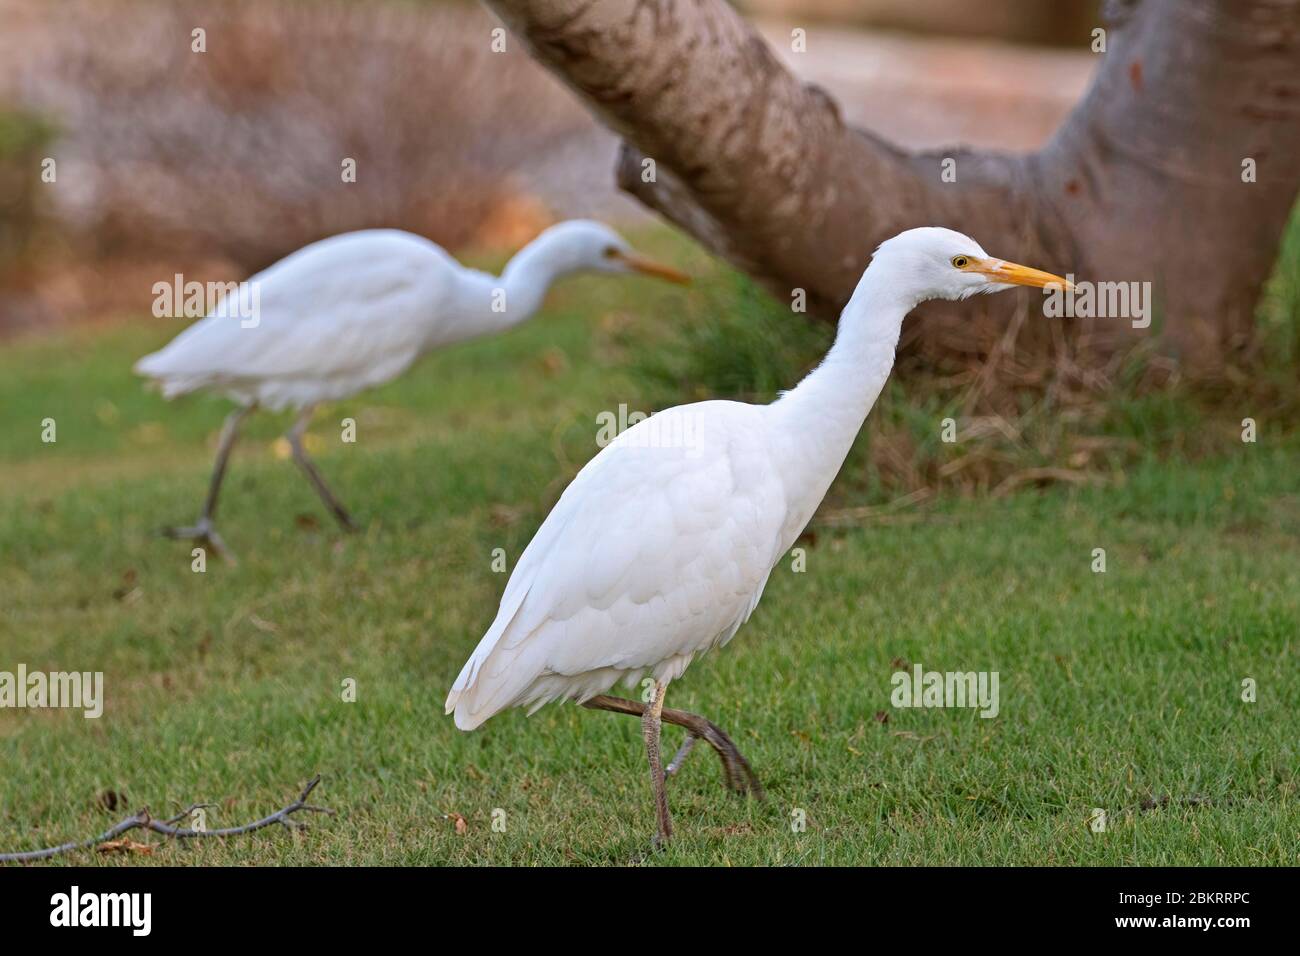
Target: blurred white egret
point(656, 553)
point(354, 311)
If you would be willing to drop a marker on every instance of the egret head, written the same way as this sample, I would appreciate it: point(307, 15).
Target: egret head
point(936, 263)
point(582, 245)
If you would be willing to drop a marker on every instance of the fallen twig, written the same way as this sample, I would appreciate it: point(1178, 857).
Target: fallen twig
point(891, 513)
point(1043, 476)
point(143, 820)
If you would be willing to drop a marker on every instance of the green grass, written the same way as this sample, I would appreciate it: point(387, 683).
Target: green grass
point(1118, 691)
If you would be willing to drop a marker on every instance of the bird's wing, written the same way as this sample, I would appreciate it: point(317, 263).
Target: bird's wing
point(350, 306)
point(651, 555)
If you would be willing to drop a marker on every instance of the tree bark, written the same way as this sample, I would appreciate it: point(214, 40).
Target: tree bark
point(1143, 181)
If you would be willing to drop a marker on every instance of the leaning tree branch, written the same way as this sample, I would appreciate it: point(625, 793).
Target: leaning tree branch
point(143, 820)
point(755, 163)
point(1143, 182)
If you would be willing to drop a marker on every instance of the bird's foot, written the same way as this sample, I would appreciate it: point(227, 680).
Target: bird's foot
point(205, 534)
point(736, 771)
point(662, 839)
point(683, 752)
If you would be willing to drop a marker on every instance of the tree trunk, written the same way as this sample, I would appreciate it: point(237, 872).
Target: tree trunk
point(1143, 182)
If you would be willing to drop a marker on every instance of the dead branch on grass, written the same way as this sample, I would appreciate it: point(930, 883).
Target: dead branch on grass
point(109, 841)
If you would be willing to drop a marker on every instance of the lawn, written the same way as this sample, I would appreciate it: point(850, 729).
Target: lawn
point(1120, 691)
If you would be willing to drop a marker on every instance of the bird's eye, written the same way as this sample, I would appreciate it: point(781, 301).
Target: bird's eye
point(961, 262)
point(610, 252)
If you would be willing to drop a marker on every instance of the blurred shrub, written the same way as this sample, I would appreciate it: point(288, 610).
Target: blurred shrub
point(1279, 309)
point(238, 151)
point(21, 134)
point(23, 140)
point(734, 341)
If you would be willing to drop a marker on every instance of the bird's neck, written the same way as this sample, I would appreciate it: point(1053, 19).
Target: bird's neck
point(490, 304)
point(527, 277)
point(819, 419)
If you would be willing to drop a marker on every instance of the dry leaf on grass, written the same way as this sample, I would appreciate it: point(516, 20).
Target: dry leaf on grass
point(267, 627)
point(124, 845)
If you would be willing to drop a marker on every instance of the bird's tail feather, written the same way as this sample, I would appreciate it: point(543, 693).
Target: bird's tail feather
point(171, 383)
point(470, 686)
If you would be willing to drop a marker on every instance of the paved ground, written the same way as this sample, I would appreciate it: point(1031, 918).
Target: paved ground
point(928, 92)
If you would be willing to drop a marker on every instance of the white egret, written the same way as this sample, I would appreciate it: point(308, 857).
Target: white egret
point(354, 311)
point(659, 550)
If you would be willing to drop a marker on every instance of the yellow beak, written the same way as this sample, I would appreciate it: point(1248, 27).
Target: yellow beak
point(651, 268)
point(999, 270)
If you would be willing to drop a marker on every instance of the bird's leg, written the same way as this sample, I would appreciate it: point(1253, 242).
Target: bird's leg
point(204, 530)
point(736, 772)
point(313, 474)
point(650, 726)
